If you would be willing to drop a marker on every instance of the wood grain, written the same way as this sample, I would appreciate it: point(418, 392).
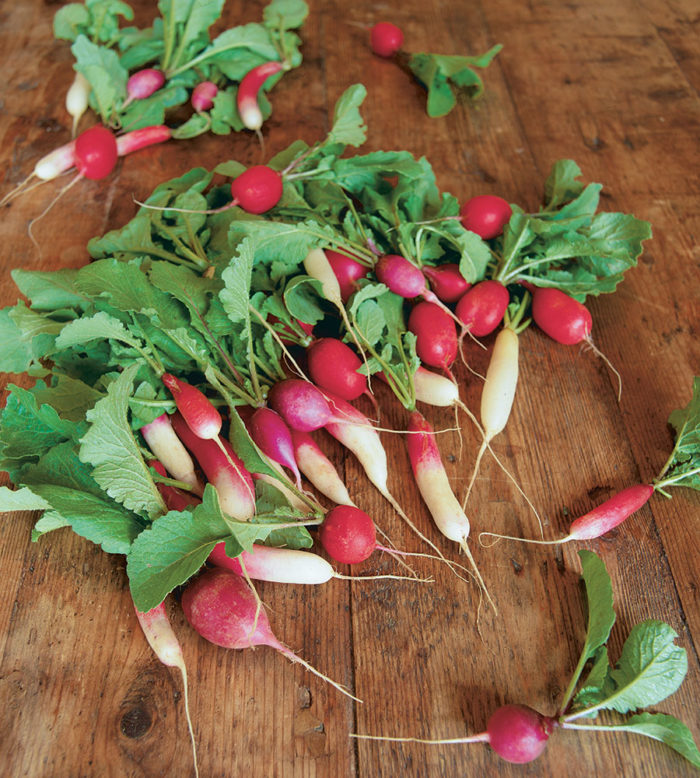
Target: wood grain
point(613, 85)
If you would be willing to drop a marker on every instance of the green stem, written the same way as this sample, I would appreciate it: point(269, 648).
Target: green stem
point(659, 485)
point(569, 693)
point(169, 39)
point(509, 258)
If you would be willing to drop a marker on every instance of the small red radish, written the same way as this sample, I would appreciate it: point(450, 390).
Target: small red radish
point(77, 98)
point(482, 308)
point(223, 469)
point(168, 448)
point(436, 335)
point(385, 39)
point(319, 470)
point(401, 276)
point(333, 365)
point(270, 433)
point(563, 318)
point(300, 403)
point(165, 645)
point(248, 89)
point(348, 535)
point(203, 96)
point(140, 139)
point(223, 609)
point(95, 153)
point(281, 565)
point(257, 189)
point(143, 84)
point(486, 215)
point(446, 281)
point(196, 409)
point(348, 272)
point(175, 499)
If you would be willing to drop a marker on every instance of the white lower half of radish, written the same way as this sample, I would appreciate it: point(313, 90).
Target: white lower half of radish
point(319, 470)
point(170, 451)
point(498, 392)
point(280, 565)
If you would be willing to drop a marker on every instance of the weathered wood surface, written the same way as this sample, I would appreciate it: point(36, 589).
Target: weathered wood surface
point(613, 85)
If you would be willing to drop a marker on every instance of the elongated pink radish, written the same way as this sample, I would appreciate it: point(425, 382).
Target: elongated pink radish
point(175, 499)
point(223, 469)
point(222, 608)
point(347, 270)
point(142, 84)
point(196, 409)
point(436, 335)
point(273, 437)
point(165, 645)
point(281, 565)
point(300, 403)
point(486, 215)
point(318, 469)
point(169, 449)
point(482, 308)
point(248, 89)
point(600, 520)
point(257, 189)
point(77, 99)
point(446, 281)
point(333, 365)
point(385, 39)
point(203, 95)
point(401, 276)
point(142, 138)
point(434, 487)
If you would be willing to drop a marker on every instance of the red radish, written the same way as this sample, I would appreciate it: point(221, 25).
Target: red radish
point(319, 470)
point(348, 272)
point(175, 499)
point(300, 403)
point(446, 281)
point(385, 39)
point(281, 565)
point(203, 96)
point(95, 153)
point(401, 276)
point(140, 139)
point(257, 189)
point(224, 610)
point(273, 437)
point(143, 84)
point(196, 409)
point(348, 535)
point(223, 469)
point(77, 98)
point(436, 335)
point(486, 215)
point(482, 308)
point(247, 97)
point(165, 645)
point(563, 318)
point(168, 448)
point(333, 365)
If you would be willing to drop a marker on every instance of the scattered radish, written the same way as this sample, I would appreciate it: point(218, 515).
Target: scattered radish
point(53, 164)
point(300, 403)
point(143, 84)
point(165, 645)
point(348, 272)
point(486, 215)
point(333, 365)
point(95, 153)
point(319, 470)
point(257, 189)
point(348, 535)
point(196, 409)
point(273, 437)
point(436, 335)
point(401, 276)
point(482, 307)
point(435, 389)
point(168, 448)
point(385, 39)
point(224, 610)
point(140, 139)
point(446, 281)
point(281, 565)
point(77, 99)
point(203, 96)
point(248, 89)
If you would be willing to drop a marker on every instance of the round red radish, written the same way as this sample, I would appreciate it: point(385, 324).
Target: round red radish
point(95, 152)
point(300, 404)
point(519, 734)
point(144, 83)
point(446, 281)
point(348, 535)
point(486, 215)
point(385, 39)
point(272, 435)
point(564, 319)
point(483, 307)
point(347, 270)
point(333, 366)
point(203, 96)
point(257, 189)
point(436, 334)
point(400, 275)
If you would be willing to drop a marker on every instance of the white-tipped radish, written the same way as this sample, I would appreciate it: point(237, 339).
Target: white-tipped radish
point(435, 389)
point(281, 565)
point(169, 449)
point(201, 416)
point(248, 89)
point(77, 99)
point(318, 469)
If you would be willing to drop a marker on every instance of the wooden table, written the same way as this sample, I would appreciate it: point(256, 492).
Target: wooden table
point(612, 85)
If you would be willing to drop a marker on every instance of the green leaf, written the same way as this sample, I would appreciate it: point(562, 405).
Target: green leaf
point(475, 256)
point(15, 352)
point(562, 184)
point(596, 686)
point(50, 291)
point(22, 499)
point(70, 397)
point(285, 14)
point(101, 67)
point(599, 595)
point(100, 326)
point(70, 20)
point(348, 127)
point(667, 729)
point(683, 466)
point(110, 446)
point(235, 295)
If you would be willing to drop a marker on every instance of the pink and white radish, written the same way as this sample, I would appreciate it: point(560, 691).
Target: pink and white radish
point(486, 215)
point(142, 138)
point(446, 281)
point(318, 469)
point(248, 89)
point(203, 95)
point(347, 270)
point(194, 406)
point(281, 565)
point(435, 389)
point(142, 84)
point(165, 645)
point(385, 39)
point(436, 335)
point(273, 437)
point(334, 366)
point(170, 451)
point(175, 499)
point(223, 609)
point(300, 403)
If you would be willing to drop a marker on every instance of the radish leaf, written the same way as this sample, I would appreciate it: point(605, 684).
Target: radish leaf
point(683, 466)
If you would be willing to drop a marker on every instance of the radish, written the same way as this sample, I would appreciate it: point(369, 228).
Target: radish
point(402, 277)
point(201, 416)
point(175, 499)
point(165, 645)
point(347, 270)
point(333, 365)
point(300, 404)
point(385, 39)
point(223, 469)
point(140, 139)
point(281, 565)
point(601, 519)
point(222, 608)
point(273, 437)
point(486, 215)
point(319, 470)
point(203, 96)
point(436, 335)
point(77, 99)
point(435, 389)
point(143, 84)
point(348, 535)
point(482, 307)
point(446, 281)
point(257, 189)
point(168, 448)
point(248, 89)
point(95, 153)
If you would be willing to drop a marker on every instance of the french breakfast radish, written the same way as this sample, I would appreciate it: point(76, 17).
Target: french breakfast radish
point(482, 307)
point(435, 389)
point(203, 95)
point(333, 365)
point(170, 451)
point(347, 270)
point(77, 99)
point(446, 281)
point(402, 277)
point(142, 84)
point(164, 643)
point(486, 215)
point(281, 565)
point(273, 437)
point(300, 403)
point(385, 39)
point(140, 139)
point(175, 499)
point(318, 469)
point(222, 608)
point(196, 409)
point(248, 89)
point(436, 335)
